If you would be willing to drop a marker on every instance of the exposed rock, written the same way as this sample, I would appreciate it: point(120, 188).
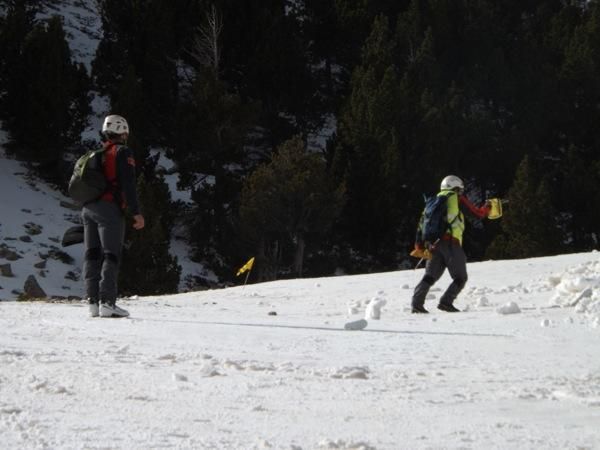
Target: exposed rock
point(72, 276)
point(71, 206)
point(25, 210)
point(6, 270)
point(59, 255)
point(8, 254)
point(25, 239)
point(40, 265)
point(33, 228)
point(32, 288)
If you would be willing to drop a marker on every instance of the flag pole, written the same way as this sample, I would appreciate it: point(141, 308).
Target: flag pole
point(247, 276)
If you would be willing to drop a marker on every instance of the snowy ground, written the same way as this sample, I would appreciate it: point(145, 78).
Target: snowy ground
point(216, 370)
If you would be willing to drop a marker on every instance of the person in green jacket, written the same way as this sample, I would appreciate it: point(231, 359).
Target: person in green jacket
point(447, 252)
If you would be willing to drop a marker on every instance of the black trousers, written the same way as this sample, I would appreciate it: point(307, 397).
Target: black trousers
point(447, 255)
point(104, 232)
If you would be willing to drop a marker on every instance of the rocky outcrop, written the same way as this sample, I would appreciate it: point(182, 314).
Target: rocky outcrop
point(6, 270)
point(8, 254)
point(32, 289)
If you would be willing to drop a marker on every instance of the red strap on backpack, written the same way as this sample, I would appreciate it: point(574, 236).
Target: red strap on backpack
point(109, 162)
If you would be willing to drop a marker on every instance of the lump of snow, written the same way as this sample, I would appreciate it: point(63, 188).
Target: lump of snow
point(343, 445)
point(373, 310)
point(509, 308)
point(356, 325)
point(354, 307)
point(482, 301)
point(179, 377)
point(209, 370)
point(554, 280)
point(357, 373)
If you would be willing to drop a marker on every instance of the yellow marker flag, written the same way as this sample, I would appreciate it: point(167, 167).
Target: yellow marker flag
point(246, 267)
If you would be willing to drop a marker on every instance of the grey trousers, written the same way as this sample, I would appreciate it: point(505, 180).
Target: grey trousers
point(104, 232)
point(446, 255)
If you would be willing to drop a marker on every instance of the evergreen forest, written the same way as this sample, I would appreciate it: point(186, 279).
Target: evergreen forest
point(308, 131)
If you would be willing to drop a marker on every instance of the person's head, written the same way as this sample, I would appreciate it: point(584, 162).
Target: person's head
point(452, 183)
point(115, 128)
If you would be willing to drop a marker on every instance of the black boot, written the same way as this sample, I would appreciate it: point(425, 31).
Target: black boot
point(419, 310)
point(448, 308)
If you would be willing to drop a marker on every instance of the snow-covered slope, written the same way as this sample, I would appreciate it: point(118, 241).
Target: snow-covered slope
point(270, 366)
point(82, 24)
point(33, 220)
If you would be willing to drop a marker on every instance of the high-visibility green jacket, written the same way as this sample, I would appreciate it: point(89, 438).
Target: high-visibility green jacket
point(455, 217)
point(457, 205)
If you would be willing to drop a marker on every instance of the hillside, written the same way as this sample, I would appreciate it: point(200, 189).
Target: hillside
point(270, 366)
point(34, 218)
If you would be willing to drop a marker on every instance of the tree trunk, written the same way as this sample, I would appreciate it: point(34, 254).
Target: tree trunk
point(299, 257)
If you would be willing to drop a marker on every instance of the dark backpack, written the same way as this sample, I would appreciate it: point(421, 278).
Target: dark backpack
point(435, 218)
point(88, 182)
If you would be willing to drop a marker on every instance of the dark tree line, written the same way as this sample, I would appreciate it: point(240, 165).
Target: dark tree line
point(503, 94)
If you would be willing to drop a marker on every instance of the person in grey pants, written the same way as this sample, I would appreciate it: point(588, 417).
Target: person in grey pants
point(447, 252)
point(104, 221)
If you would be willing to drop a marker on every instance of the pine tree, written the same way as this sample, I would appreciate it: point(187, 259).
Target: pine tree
point(147, 267)
point(47, 101)
point(129, 102)
point(577, 197)
point(284, 203)
point(366, 156)
point(14, 28)
point(529, 226)
point(133, 37)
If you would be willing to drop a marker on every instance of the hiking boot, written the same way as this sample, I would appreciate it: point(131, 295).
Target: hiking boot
point(447, 308)
point(419, 310)
point(94, 310)
point(111, 310)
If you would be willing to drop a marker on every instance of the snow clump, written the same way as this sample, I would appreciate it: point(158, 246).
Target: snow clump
point(373, 310)
point(509, 308)
point(579, 287)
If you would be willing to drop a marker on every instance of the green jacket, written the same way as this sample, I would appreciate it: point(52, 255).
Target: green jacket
point(455, 217)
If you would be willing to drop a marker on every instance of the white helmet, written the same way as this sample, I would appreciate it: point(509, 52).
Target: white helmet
point(452, 182)
point(115, 124)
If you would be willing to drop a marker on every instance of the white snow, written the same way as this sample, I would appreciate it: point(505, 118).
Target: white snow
point(213, 369)
point(82, 25)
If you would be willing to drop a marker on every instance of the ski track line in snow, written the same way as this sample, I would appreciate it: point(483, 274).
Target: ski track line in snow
point(304, 327)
